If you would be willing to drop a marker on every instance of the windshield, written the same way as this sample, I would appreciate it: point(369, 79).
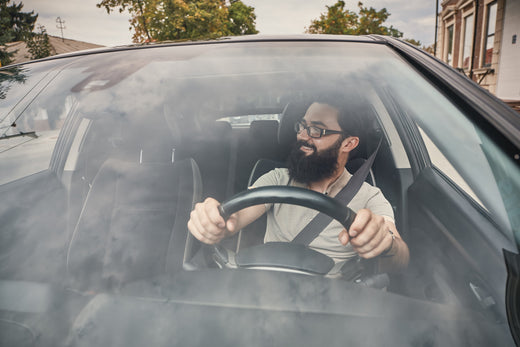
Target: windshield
point(104, 156)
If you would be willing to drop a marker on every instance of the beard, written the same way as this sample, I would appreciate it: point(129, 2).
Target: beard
point(314, 167)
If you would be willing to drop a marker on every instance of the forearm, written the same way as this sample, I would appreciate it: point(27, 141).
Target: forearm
point(246, 216)
point(396, 259)
point(208, 226)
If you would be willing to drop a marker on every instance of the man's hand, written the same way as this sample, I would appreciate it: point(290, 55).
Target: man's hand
point(207, 225)
point(369, 234)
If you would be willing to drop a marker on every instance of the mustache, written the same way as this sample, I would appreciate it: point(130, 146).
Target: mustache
point(300, 143)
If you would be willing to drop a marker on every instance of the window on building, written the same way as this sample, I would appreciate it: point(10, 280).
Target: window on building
point(449, 49)
point(468, 39)
point(490, 33)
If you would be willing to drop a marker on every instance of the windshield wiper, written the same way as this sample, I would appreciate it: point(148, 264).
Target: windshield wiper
point(29, 134)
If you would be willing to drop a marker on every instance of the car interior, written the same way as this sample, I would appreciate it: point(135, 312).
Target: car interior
point(128, 182)
point(218, 158)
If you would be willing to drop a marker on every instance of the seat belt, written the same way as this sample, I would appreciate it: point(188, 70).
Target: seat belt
point(345, 195)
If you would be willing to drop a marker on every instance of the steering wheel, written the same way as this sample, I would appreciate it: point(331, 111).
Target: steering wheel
point(282, 256)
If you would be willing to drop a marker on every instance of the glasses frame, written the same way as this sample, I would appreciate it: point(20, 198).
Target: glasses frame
point(323, 132)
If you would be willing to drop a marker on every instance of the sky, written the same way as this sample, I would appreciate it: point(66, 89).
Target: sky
point(85, 22)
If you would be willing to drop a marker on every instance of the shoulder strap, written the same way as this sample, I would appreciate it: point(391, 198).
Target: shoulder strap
point(345, 195)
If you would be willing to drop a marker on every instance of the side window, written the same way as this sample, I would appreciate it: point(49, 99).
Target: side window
point(32, 152)
point(449, 43)
point(29, 134)
point(245, 121)
point(461, 151)
point(443, 165)
point(467, 40)
point(490, 33)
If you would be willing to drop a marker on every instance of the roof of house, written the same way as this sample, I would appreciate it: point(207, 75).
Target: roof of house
point(58, 45)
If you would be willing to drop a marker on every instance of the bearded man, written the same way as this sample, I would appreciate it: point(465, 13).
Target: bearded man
point(317, 162)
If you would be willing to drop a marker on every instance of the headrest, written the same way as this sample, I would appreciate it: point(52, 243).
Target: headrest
point(148, 139)
point(292, 112)
point(263, 128)
point(220, 128)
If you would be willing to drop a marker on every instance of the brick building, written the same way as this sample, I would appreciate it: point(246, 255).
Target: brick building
point(481, 39)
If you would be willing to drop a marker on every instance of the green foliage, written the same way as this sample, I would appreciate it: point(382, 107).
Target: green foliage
point(200, 19)
point(38, 44)
point(5, 56)
point(414, 42)
point(8, 77)
point(241, 19)
point(161, 20)
point(371, 22)
point(339, 20)
point(15, 25)
point(139, 9)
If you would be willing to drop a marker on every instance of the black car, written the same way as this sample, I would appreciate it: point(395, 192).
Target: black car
point(103, 155)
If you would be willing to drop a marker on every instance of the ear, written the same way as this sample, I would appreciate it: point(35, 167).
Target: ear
point(349, 144)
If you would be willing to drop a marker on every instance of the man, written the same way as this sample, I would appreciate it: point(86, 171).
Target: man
point(317, 162)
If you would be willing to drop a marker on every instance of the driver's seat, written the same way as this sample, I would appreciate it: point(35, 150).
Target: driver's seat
point(254, 233)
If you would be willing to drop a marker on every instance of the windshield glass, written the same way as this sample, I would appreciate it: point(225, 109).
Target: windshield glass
point(104, 156)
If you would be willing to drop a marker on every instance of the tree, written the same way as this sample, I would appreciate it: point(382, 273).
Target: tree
point(414, 42)
point(137, 9)
point(193, 20)
point(38, 44)
point(14, 74)
point(160, 20)
point(371, 22)
point(241, 19)
point(339, 20)
point(15, 25)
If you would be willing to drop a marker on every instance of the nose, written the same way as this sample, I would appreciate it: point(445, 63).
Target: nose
point(303, 135)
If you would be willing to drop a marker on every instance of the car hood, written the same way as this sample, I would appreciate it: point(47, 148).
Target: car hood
point(269, 308)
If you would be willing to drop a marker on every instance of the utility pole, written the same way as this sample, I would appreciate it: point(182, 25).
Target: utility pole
point(436, 25)
point(60, 24)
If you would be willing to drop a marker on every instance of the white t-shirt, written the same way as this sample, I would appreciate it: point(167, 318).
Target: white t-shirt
point(285, 221)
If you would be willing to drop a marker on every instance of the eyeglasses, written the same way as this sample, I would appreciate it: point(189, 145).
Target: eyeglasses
point(313, 131)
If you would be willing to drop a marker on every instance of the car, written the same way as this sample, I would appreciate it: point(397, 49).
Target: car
point(104, 154)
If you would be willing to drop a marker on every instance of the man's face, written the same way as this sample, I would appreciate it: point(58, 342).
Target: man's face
point(321, 116)
point(314, 159)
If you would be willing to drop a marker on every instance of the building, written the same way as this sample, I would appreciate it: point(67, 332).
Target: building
point(58, 45)
point(481, 39)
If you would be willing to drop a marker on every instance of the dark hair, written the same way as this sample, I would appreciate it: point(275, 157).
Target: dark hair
point(349, 112)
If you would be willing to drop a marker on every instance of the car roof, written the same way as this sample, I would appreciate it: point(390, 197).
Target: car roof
point(480, 102)
point(225, 39)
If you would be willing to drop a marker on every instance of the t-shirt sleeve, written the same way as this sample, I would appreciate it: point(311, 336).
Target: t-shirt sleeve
point(274, 177)
point(268, 179)
point(378, 204)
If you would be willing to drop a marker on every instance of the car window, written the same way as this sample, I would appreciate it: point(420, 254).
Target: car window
point(246, 120)
point(18, 81)
point(442, 164)
point(112, 151)
point(39, 111)
point(449, 133)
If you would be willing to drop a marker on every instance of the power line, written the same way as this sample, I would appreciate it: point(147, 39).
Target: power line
point(61, 25)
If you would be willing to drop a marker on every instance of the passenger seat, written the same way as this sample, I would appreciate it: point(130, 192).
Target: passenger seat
point(132, 225)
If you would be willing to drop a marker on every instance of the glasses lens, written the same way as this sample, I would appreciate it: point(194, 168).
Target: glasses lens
point(314, 132)
point(311, 131)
